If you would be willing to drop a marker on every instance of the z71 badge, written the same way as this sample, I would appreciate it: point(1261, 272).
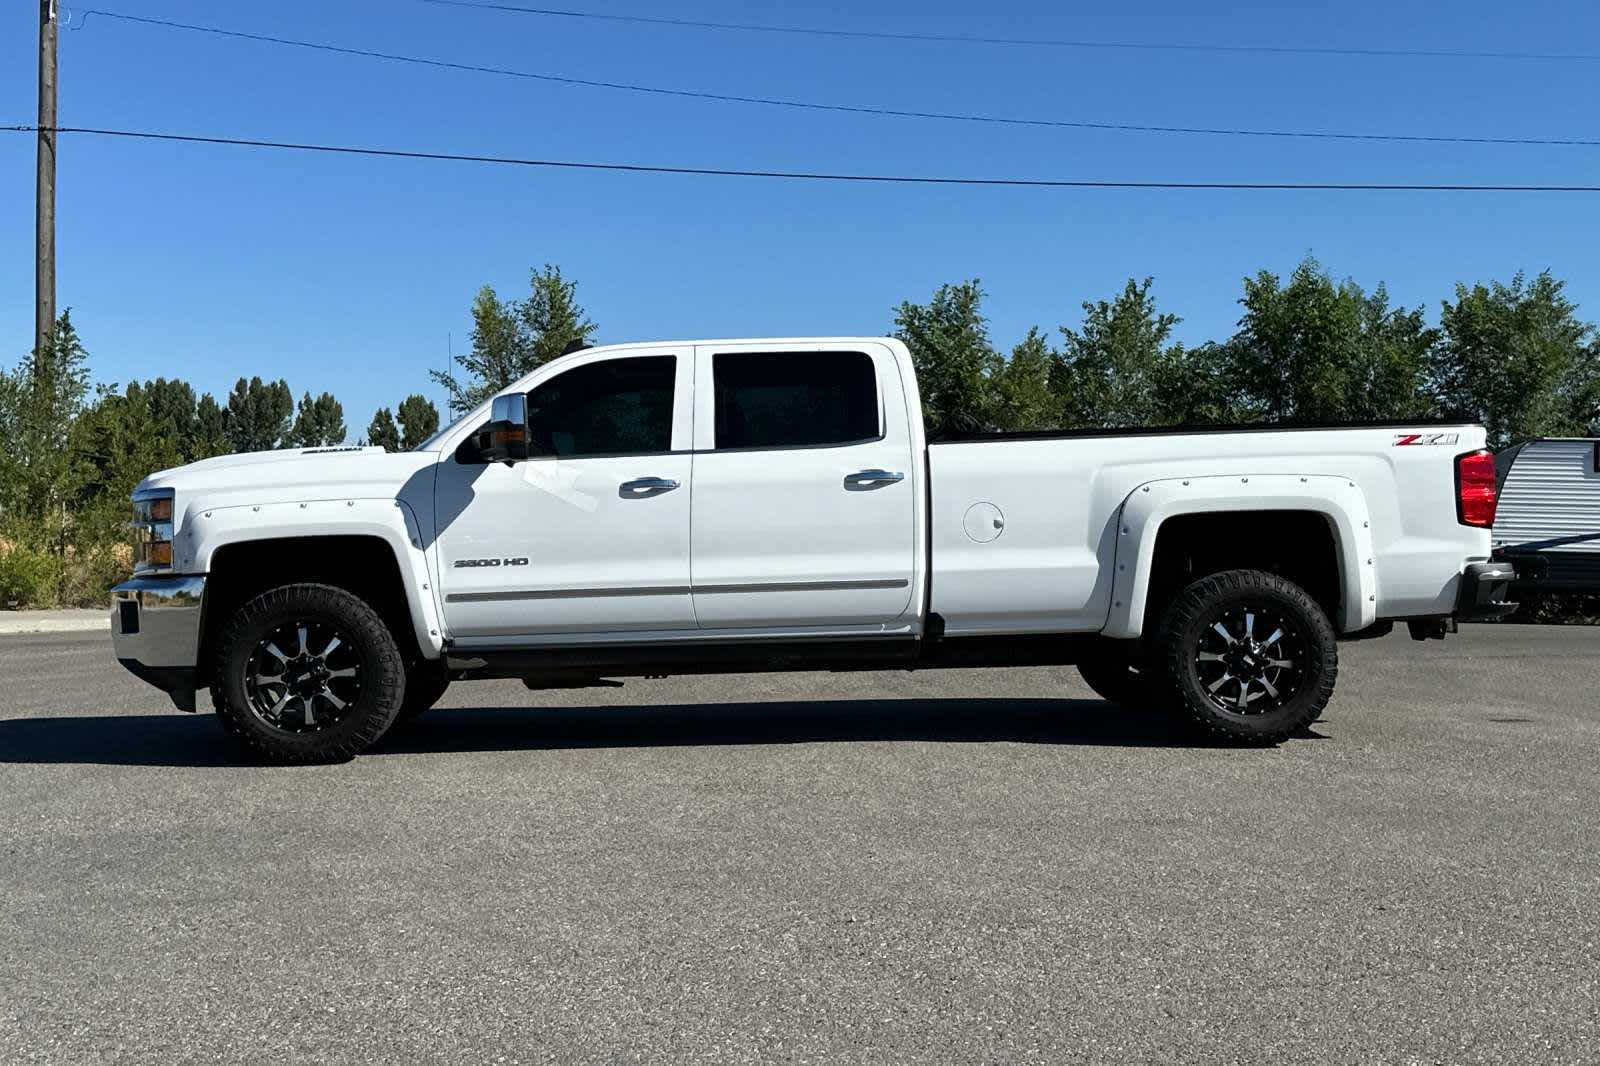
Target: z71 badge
point(1402, 439)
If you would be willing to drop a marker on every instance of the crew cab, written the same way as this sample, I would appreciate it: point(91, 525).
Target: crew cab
point(748, 505)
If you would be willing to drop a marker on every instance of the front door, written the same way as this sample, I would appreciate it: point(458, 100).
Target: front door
point(591, 533)
point(804, 505)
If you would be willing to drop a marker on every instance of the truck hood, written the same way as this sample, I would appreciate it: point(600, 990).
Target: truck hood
point(280, 455)
point(291, 474)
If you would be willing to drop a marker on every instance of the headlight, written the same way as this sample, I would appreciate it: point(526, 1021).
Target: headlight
point(152, 531)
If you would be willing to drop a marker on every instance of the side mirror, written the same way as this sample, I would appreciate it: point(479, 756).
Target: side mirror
point(505, 438)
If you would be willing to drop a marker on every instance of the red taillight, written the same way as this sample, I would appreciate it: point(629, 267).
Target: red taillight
point(1477, 491)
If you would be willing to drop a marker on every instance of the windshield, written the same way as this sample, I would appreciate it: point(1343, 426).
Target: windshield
point(433, 443)
point(480, 412)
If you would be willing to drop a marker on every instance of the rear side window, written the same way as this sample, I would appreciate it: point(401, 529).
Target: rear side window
point(794, 399)
point(615, 407)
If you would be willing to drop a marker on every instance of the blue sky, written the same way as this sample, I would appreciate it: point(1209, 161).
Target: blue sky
point(348, 274)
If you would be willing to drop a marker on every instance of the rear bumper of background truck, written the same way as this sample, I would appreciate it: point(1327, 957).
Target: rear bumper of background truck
point(1553, 571)
point(155, 631)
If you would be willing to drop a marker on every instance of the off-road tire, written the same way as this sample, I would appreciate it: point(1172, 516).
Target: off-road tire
point(1217, 598)
point(1111, 673)
point(380, 666)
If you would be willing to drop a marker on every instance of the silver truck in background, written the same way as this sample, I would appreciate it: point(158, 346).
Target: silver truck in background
point(1547, 524)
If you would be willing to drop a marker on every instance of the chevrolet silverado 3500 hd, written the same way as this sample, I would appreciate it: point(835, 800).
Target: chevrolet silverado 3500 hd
point(746, 505)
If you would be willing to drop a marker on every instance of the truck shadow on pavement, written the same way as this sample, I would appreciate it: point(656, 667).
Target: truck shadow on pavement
point(198, 741)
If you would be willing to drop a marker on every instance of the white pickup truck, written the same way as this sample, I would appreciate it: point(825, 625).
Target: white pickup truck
point(747, 505)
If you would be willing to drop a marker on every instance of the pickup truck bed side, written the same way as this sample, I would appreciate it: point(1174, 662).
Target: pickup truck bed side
point(1399, 546)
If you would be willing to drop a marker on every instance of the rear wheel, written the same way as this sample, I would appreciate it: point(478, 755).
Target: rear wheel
point(307, 673)
point(1250, 655)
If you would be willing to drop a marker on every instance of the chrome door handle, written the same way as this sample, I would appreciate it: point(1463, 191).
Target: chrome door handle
point(868, 479)
point(644, 487)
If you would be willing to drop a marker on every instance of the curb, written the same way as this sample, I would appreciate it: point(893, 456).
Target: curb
point(13, 626)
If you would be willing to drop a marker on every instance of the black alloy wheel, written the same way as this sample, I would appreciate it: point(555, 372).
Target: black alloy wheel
point(1249, 655)
point(307, 673)
point(1252, 659)
point(303, 677)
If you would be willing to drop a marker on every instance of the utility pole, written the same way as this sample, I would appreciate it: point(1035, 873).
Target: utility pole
point(44, 218)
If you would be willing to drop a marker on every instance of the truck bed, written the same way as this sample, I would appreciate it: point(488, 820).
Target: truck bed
point(1060, 494)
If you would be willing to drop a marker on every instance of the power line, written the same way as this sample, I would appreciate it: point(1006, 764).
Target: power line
point(855, 109)
point(807, 175)
point(1031, 42)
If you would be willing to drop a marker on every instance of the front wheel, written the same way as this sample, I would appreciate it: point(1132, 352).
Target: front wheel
point(1250, 655)
point(307, 673)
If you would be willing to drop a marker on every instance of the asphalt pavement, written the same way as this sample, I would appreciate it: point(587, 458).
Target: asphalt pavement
point(979, 866)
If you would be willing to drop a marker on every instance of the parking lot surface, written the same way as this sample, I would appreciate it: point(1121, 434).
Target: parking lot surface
point(981, 866)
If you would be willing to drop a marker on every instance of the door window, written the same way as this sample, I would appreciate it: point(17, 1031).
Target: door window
point(794, 399)
point(615, 407)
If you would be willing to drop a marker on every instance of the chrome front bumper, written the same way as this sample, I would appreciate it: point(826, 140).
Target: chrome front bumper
point(155, 631)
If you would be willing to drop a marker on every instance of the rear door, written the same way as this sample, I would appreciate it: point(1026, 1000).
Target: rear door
point(804, 511)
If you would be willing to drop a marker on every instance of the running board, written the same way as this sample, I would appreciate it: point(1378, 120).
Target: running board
point(637, 660)
point(575, 662)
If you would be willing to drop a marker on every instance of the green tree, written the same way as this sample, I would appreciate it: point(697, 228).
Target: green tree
point(511, 339)
point(419, 420)
point(319, 423)
point(120, 439)
point(1107, 372)
point(258, 415)
point(1319, 350)
point(1514, 357)
point(552, 321)
point(1023, 395)
point(211, 435)
point(171, 403)
point(1390, 377)
point(383, 432)
point(1190, 386)
point(115, 444)
point(39, 475)
point(1581, 389)
point(949, 342)
point(497, 352)
point(10, 417)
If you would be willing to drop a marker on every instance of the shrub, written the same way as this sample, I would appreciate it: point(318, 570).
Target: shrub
point(89, 573)
point(28, 577)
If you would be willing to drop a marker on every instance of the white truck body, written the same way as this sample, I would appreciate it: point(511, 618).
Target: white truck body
point(703, 539)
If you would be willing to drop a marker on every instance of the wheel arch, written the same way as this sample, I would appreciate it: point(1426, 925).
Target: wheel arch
point(1202, 519)
point(365, 563)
